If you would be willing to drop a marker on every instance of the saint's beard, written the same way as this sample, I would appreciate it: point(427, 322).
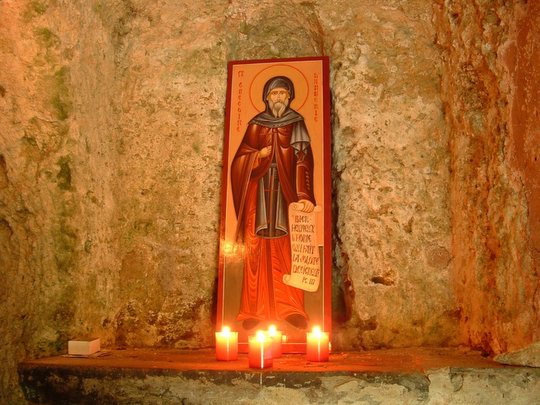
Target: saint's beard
point(278, 108)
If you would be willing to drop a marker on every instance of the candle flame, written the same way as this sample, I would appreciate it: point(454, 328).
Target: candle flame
point(272, 330)
point(260, 336)
point(226, 330)
point(231, 248)
point(228, 248)
point(317, 331)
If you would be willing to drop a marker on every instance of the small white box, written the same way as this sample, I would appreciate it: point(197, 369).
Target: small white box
point(84, 347)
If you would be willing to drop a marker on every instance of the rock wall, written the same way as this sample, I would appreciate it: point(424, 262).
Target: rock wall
point(491, 98)
point(394, 237)
point(59, 272)
point(390, 170)
point(111, 137)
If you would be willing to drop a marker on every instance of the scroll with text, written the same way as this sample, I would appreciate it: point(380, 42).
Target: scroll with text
point(305, 258)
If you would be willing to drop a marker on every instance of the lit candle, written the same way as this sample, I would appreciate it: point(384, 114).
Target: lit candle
point(276, 336)
point(317, 345)
point(226, 344)
point(260, 351)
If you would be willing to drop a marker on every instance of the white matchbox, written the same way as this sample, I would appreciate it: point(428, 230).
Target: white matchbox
point(84, 347)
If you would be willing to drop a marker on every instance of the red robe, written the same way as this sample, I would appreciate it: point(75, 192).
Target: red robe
point(268, 259)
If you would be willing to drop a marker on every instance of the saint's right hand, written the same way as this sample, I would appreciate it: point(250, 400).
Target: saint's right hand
point(265, 152)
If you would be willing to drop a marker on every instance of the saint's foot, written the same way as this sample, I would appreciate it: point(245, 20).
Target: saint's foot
point(297, 320)
point(250, 323)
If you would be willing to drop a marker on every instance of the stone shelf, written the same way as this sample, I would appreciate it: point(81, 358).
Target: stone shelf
point(165, 376)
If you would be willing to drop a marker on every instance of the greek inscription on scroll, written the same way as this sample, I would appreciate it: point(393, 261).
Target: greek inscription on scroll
point(305, 258)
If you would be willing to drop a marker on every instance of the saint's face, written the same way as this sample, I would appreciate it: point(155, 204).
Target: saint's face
point(279, 95)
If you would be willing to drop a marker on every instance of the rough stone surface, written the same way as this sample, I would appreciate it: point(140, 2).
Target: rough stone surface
point(393, 236)
point(398, 376)
point(528, 356)
point(490, 54)
point(111, 132)
point(58, 258)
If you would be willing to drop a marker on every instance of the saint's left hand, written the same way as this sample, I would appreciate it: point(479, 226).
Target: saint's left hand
point(307, 206)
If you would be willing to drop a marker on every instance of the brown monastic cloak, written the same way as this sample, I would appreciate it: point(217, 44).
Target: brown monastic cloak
point(268, 259)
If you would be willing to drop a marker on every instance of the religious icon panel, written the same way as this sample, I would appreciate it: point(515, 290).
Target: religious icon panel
point(276, 230)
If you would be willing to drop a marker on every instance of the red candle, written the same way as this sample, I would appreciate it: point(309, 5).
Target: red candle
point(276, 336)
point(260, 351)
point(226, 344)
point(317, 345)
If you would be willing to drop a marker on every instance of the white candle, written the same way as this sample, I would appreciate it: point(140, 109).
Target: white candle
point(260, 351)
point(226, 344)
point(276, 336)
point(317, 345)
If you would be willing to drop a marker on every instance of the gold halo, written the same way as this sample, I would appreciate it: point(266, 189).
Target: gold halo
point(301, 86)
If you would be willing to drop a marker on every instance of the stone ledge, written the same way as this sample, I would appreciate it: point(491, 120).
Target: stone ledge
point(146, 376)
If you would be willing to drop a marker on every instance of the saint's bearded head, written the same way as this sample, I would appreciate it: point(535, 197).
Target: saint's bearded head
point(277, 94)
point(278, 101)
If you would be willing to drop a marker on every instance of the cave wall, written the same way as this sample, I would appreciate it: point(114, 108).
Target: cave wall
point(390, 171)
point(58, 249)
point(111, 138)
point(490, 93)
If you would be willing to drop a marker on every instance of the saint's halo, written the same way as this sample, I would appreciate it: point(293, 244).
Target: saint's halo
point(301, 87)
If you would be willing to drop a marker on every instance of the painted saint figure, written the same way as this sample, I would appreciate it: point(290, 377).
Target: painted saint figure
point(272, 168)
